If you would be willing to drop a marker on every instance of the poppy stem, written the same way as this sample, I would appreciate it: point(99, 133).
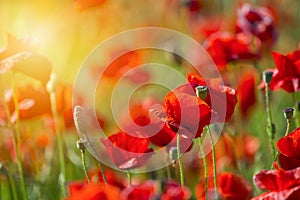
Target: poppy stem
point(17, 143)
point(288, 125)
point(168, 171)
point(204, 167)
point(214, 162)
point(181, 175)
point(7, 111)
point(102, 172)
point(270, 126)
point(11, 182)
point(60, 146)
point(129, 178)
point(81, 146)
point(82, 152)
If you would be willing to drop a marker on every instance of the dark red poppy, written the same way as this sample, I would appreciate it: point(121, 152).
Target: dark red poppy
point(289, 146)
point(174, 191)
point(286, 76)
point(258, 21)
point(280, 184)
point(246, 92)
point(225, 47)
point(126, 151)
point(92, 191)
point(146, 190)
point(225, 96)
point(230, 187)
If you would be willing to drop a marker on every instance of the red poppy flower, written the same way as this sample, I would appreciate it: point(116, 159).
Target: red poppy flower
point(92, 191)
point(230, 187)
point(126, 151)
point(246, 92)
point(146, 190)
point(225, 47)
point(147, 123)
point(187, 111)
point(281, 184)
point(286, 76)
point(224, 95)
point(173, 190)
point(289, 146)
point(257, 21)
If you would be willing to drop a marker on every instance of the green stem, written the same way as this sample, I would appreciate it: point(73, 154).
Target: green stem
point(129, 178)
point(102, 172)
point(82, 152)
point(7, 111)
point(205, 168)
point(214, 163)
point(12, 184)
point(288, 125)
point(59, 144)
point(270, 127)
point(179, 161)
point(18, 141)
point(168, 172)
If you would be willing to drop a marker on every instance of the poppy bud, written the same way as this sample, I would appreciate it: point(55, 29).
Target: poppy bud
point(80, 144)
point(201, 92)
point(288, 113)
point(52, 83)
point(80, 120)
point(267, 76)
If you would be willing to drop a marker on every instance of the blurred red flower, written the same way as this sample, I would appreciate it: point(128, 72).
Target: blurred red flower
point(32, 102)
point(144, 191)
point(287, 73)
point(111, 177)
point(225, 47)
point(281, 184)
point(174, 191)
point(123, 64)
point(289, 146)
point(246, 92)
point(126, 151)
point(230, 187)
point(258, 21)
point(92, 191)
point(81, 5)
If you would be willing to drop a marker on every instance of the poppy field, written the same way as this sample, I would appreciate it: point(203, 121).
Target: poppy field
point(170, 100)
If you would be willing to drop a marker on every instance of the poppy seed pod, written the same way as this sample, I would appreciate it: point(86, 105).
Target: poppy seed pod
point(80, 144)
point(267, 76)
point(288, 113)
point(80, 120)
point(201, 91)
